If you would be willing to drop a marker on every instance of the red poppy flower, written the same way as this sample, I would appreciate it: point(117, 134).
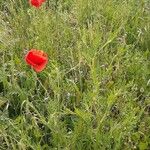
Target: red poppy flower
point(36, 3)
point(37, 59)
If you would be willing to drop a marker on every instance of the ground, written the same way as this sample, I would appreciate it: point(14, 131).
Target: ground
point(94, 93)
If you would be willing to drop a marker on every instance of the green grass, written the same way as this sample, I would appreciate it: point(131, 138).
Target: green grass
point(95, 91)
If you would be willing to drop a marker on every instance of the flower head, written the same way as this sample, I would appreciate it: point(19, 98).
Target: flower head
point(37, 59)
point(36, 3)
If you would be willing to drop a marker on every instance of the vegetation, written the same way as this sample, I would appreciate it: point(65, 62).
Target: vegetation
point(95, 91)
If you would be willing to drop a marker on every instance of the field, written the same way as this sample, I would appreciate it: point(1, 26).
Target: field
point(94, 93)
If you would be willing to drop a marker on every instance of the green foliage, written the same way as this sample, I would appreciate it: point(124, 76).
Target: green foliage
point(94, 93)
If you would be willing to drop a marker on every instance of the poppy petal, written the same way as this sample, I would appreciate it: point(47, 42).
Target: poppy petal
point(41, 67)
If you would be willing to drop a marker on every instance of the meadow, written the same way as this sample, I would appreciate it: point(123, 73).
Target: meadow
point(94, 93)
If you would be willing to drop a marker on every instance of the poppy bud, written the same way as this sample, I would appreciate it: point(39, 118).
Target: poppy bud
point(37, 59)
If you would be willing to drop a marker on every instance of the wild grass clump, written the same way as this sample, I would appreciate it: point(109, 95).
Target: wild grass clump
point(95, 91)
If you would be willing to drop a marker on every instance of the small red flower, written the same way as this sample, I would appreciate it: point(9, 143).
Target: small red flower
point(36, 3)
point(37, 59)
